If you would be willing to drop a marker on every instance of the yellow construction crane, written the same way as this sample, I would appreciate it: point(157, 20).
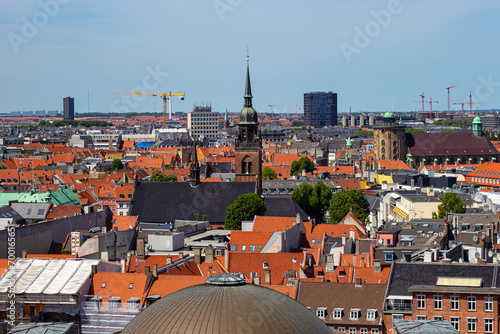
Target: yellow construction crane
point(166, 96)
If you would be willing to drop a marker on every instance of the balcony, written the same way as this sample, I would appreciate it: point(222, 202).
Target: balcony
point(398, 306)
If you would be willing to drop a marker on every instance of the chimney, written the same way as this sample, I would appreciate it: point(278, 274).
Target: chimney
point(197, 256)
point(94, 269)
point(376, 266)
point(343, 239)
point(141, 249)
point(256, 280)
point(147, 270)
point(297, 220)
point(169, 259)
point(226, 258)
point(267, 277)
point(209, 254)
point(122, 262)
point(358, 281)
point(352, 234)
point(155, 270)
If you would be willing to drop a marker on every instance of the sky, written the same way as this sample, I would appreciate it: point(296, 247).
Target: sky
point(373, 54)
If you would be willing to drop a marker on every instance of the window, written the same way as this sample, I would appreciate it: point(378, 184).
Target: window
point(319, 242)
point(488, 304)
point(421, 302)
point(438, 302)
point(341, 329)
point(131, 285)
point(388, 257)
point(437, 318)
point(337, 313)
point(471, 303)
point(252, 248)
point(28, 212)
point(352, 330)
point(321, 312)
point(363, 331)
point(103, 285)
point(455, 322)
point(454, 303)
point(371, 314)
point(313, 241)
point(375, 331)
point(234, 247)
point(471, 324)
point(243, 247)
point(488, 325)
point(397, 317)
point(354, 314)
point(421, 317)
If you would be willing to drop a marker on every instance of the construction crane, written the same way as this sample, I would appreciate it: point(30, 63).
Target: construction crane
point(422, 96)
point(430, 104)
point(166, 96)
point(273, 108)
point(297, 108)
point(448, 89)
point(469, 103)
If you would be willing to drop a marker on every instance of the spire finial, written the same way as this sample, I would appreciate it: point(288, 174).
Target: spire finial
point(248, 57)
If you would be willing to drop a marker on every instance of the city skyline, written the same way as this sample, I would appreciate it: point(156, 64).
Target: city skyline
point(371, 55)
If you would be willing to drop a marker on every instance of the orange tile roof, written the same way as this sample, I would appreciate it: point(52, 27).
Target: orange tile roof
point(124, 223)
point(117, 284)
point(273, 224)
point(278, 263)
point(62, 211)
point(166, 284)
point(50, 256)
point(397, 164)
point(287, 158)
point(248, 238)
point(347, 184)
point(337, 230)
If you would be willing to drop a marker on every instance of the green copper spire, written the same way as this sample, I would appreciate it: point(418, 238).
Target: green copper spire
point(226, 117)
point(248, 89)
point(477, 126)
point(349, 143)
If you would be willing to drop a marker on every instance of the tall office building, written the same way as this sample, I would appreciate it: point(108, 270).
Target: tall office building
point(320, 109)
point(69, 108)
point(203, 122)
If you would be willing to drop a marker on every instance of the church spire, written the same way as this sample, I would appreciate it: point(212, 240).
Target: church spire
point(248, 87)
point(194, 168)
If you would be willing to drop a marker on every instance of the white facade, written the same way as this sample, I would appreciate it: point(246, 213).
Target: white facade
point(203, 123)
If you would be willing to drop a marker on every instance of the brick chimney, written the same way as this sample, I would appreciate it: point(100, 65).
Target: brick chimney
point(94, 269)
point(256, 280)
point(147, 270)
point(169, 259)
point(197, 256)
point(376, 266)
point(155, 270)
point(141, 249)
point(267, 277)
point(209, 254)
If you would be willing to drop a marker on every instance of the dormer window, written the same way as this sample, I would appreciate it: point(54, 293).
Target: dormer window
point(265, 265)
point(371, 314)
point(313, 242)
point(321, 312)
point(354, 314)
point(338, 313)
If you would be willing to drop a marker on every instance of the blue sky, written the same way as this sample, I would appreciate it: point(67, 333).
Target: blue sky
point(372, 53)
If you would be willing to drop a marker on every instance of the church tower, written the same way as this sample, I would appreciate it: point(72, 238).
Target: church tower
point(477, 126)
point(389, 139)
point(248, 144)
point(194, 168)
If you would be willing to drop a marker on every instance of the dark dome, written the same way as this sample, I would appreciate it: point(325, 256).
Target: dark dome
point(225, 304)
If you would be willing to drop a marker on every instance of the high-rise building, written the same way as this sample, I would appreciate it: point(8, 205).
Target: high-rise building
point(203, 122)
point(320, 109)
point(69, 108)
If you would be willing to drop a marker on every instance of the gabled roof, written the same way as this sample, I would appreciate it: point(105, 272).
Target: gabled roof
point(125, 222)
point(248, 238)
point(449, 144)
point(62, 211)
point(337, 230)
point(123, 285)
point(273, 224)
point(155, 202)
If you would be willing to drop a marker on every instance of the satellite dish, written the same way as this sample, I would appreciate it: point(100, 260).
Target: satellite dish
point(478, 256)
point(380, 241)
point(475, 238)
point(490, 253)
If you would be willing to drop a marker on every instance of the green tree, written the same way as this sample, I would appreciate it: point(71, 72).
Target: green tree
point(314, 200)
point(269, 174)
point(158, 176)
point(363, 133)
point(245, 207)
point(116, 164)
point(450, 202)
point(297, 123)
point(170, 178)
point(299, 165)
point(346, 200)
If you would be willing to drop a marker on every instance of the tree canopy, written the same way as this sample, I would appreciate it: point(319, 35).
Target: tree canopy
point(269, 174)
point(116, 164)
point(158, 176)
point(86, 124)
point(245, 207)
point(299, 165)
point(314, 200)
point(345, 200)
point(450, 202)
